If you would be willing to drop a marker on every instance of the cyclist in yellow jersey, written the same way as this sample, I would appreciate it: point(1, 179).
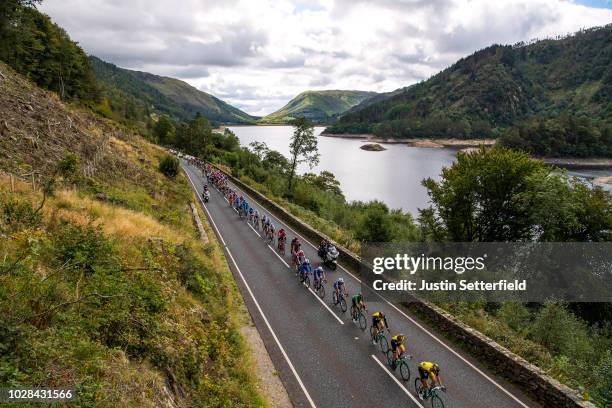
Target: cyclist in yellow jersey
point(397, 346)
point(432, 371)
point(379, 323)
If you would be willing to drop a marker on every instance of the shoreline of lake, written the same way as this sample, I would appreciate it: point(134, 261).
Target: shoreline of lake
point(588, 163)
point(416, 142)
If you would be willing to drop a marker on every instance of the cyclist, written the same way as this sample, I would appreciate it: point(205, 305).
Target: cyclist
point(340, 288)
point(398, 347)
point(295, 246)
point(298, 260)
point(256, 219)
point(319, 275)
point(429, 370)
point(379, 323)
point(305, 269)
point(358, 304)
point(251, 211)
point(271, 229)
point(244, 208)
point(282, 237)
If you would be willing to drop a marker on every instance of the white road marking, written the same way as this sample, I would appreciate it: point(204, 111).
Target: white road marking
point(412, 397)
point(325, 305)
point(254, 230)
point(279, 257)
point(479, 371)
point(311, 291)
point(265, 319)
point(205, 209)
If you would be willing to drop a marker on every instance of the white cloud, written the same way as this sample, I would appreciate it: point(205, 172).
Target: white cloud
point(258, 54)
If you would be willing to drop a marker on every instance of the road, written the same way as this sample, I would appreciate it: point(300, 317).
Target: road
point(323, 359)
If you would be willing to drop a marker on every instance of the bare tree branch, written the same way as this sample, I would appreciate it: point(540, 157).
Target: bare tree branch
point(72, 302)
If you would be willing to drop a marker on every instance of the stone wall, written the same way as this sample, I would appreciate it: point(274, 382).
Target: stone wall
point(531, 379)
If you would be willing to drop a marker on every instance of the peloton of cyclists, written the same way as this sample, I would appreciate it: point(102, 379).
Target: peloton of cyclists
point(427, 370)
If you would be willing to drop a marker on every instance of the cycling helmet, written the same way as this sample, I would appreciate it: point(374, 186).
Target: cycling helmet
point(307, 260)
point(401, 337)
point(318, 269)
point(341, 280)
point(436, 368)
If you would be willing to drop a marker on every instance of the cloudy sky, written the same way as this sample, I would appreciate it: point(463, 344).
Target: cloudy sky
point(258, 54)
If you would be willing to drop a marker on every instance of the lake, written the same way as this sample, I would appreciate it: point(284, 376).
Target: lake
point(392, 176)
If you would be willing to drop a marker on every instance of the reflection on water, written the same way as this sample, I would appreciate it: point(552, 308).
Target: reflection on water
point(393, 176)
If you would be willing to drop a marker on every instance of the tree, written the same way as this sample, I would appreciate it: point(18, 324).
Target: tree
point(259, 148)
point(163, 131)
point(376, 225)
point(326, 181)
point(303, 148)
point(476, 200)
point(194, 136)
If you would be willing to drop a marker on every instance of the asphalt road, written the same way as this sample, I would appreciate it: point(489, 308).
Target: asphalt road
point(324, 359)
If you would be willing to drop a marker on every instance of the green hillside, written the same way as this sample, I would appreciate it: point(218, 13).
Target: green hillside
point(318, 106)
point(499, 87)
point(136, 93)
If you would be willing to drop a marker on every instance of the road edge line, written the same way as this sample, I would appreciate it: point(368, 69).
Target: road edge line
point(265, 319)
point(412, 397)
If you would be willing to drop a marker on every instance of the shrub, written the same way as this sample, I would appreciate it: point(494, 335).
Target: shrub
point(603, 392)
point(68, 166)
point(557, 329)
point(169, 166)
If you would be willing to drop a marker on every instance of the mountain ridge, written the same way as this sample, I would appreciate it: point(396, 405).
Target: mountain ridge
point(165, 95)
point(321, 107)
point(486, 93)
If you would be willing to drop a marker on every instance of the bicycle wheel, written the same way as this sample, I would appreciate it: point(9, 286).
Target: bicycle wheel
point(353, 313)
point(418, 387)
point(306, 281)
point(372, 337)
point(321, 290)
point(335, 298)
point(362, 321)
point(404, 371)
point(383, 343)
point(436, 402)
point(342, 304)
point(389, 357)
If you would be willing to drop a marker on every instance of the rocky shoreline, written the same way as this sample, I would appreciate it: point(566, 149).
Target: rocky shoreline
point(472, 144)
point(417, 142)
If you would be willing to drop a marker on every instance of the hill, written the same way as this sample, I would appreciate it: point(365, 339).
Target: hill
point(497, 88)
point(105, 284)
point(135, 93)
point(318, 106)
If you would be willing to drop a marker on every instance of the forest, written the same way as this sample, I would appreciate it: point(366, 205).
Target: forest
point(501, 89)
